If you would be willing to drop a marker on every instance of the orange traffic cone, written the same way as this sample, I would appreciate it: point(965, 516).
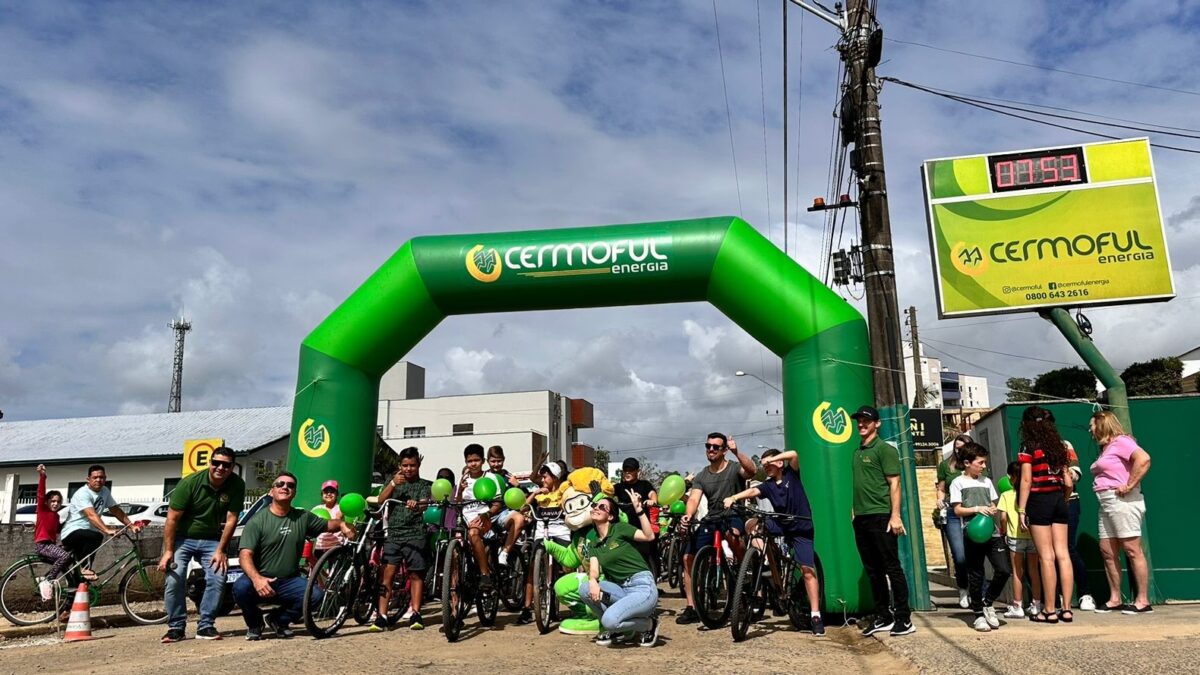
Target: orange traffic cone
point(79, 626)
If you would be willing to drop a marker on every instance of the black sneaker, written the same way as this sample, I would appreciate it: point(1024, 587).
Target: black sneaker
point(525, 618)
point(878, 625)
point(688, 615)
point(415, 622)
point(174, 635)
point(254, 634)
point(650, 638)
point(1106, 608)
point(818, 626)
point(604, 639)
point(903, 628)
point(378, 626)
point(281, 630)
point(1133, 609)
point(485, 583)
point(209, 633)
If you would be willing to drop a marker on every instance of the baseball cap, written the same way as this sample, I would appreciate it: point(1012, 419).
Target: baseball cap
point(553, 469)
point(866, 412)
point(631, 464)
point(329, 484)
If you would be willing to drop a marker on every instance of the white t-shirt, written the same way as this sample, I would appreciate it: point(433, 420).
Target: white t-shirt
point(84, 498)
point(473, 511)
point(971, 492)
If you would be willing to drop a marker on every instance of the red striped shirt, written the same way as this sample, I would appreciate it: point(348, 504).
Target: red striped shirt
point(1043, 479)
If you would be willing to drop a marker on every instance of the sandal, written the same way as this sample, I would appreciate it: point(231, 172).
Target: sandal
point(1043, 617)
point(1066, 615)
point(88, 575)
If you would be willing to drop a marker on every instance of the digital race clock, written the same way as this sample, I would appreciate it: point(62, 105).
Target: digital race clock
point(1041, 168)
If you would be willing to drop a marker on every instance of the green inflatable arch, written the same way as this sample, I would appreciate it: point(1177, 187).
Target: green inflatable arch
point(821, 339)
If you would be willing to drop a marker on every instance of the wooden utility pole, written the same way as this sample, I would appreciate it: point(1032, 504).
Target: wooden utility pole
point(918, 380)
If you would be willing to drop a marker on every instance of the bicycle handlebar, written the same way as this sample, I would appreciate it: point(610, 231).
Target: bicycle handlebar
point(772, 515)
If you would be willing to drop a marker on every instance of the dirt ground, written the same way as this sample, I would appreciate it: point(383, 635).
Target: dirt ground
point(505, 648)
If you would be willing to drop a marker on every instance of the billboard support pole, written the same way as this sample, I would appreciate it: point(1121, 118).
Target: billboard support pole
point(1118, 400)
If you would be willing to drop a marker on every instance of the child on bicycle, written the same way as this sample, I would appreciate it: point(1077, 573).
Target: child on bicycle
point(328, 540)
point(478, 517)
point(972, 493)
point(511, 522)
point(406, 542)
point(784, 490)
point(549, 497)
point(46, 527)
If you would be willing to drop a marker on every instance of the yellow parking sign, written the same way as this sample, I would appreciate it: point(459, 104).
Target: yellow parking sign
point(197, 452)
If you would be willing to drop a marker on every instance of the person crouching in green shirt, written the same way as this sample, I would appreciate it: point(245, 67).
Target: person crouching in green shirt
point(406, 540)
point(271, 546)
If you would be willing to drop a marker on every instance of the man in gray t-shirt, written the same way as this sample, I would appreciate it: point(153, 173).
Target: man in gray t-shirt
point(720, 479)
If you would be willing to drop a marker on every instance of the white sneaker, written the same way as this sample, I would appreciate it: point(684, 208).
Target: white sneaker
point(989, 613)
point(1086, 603)
point(1014, 612)
point(503, 558)
point(1035, 607)
point(963, 600)
point(407, 614)
point(982, 625)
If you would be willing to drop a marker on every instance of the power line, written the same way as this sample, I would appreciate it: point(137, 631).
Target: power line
point(983, 105)
point(981, 323)
point(1047, 68)
point(762, 94)
point(728, 112)
point(992, 351)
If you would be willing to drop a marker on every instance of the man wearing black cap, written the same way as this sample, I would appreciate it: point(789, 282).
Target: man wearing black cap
point(877, 525)
point(631, 482)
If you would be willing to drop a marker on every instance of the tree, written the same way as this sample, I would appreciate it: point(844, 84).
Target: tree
point(927, 395)
point(601, 458)
point(1072, 382)
point(385, 461)
point(1159, 377)
point(1018, 389)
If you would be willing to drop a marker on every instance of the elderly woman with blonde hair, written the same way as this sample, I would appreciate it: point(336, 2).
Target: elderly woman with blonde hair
point(1117, 475)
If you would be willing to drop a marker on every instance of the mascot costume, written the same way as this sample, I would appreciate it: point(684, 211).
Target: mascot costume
point(584, 485)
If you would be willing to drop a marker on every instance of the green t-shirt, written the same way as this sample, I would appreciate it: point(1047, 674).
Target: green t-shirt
point(946, 474)
point(205, 507)
point(405, 524)
point(872, 464)
point(278, 541)
point(618, 558)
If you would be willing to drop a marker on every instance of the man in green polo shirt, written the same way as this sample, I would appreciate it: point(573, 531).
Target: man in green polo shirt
point(201, 516)
point(877, 525)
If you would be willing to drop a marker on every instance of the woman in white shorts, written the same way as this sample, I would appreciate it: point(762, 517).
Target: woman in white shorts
point(1117, 475)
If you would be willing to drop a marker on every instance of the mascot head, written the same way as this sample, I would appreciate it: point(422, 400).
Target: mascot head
point(583, 485)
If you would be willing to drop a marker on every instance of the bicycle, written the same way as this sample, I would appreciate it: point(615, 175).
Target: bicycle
point(784, 589)
point(343, 584)
point(712, 574)
point(460, 580)
point(670, 552)
point(545, 601)
point(140, 586)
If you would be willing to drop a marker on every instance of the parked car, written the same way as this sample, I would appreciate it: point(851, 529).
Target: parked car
point(233, 567)
point(27, 514)
point(154, 512)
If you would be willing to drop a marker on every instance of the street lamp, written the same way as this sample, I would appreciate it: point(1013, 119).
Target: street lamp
point(742, 373)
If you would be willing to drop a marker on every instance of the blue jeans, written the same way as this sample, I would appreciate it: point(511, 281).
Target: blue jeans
point(289, 597)
point(632, 607)
point(175, 593)
point(954, 535)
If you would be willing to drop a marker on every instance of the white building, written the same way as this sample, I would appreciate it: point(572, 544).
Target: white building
point(931, 377)
point(529, 425)
point(1191, 371)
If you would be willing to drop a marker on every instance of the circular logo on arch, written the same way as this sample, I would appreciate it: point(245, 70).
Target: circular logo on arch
point(968, 259)
point(313, 439)
point(484, 264)
point(833, 426)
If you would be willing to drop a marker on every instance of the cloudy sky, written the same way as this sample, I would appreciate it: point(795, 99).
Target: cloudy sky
point(250, 166)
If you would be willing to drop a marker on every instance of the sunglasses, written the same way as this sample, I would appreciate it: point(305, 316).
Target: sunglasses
point(600, 507)
point(217, 464)
point(714, 446)
point(285, 485)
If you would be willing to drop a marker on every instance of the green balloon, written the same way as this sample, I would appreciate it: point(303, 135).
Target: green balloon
point(433, 515)
point(671, 490)
point(678, 507)
point(514, 498)
point(352, 505)
point(485, 489)
point(441, 489)
point(1004, 484)
point(981, 528)
point(322, 512)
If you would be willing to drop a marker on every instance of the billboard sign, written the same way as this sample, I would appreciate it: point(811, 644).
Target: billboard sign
point(1033, 229)
point(926, 426)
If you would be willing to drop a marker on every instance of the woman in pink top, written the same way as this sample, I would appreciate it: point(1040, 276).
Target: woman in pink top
point(45, 532)
point(1116, 478)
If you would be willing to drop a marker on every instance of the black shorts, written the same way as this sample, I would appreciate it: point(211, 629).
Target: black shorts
point(411, 553)
point(1046, 508)
point(800, 541)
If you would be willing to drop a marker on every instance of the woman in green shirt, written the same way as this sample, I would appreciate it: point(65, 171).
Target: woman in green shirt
point(947, 471)
point(626, 599)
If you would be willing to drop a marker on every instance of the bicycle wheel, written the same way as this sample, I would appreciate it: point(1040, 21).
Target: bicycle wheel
point(20, 600)
point(745, 594)
point(711, 587)
point(799, 608)
point(454, 599)
point(332, 587)
point(545, 604)
point(401, 596)
point(367, 597)
point(512, 583)
point(142, 588)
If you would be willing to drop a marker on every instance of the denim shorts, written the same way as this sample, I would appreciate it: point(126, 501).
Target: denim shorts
point(1020, 545)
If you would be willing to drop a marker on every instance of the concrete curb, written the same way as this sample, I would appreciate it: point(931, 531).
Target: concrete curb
point(110, 621)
